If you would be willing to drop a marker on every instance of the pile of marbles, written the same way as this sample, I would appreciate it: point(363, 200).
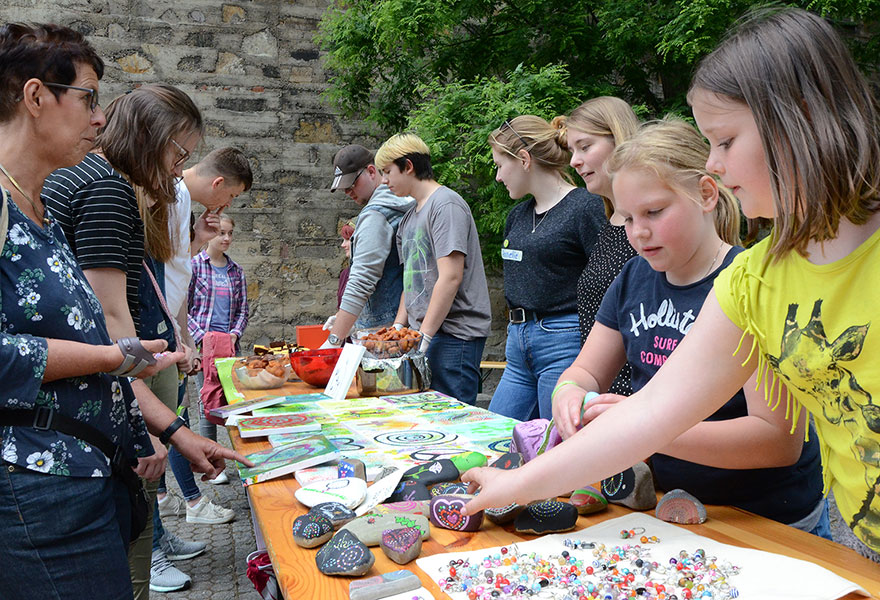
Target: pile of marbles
point(586, 570)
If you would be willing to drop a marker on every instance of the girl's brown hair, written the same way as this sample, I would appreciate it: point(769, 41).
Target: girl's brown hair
point(136, 139)
point(606, 116)
point(537, 137)
point(817, 118)
point(676, 153)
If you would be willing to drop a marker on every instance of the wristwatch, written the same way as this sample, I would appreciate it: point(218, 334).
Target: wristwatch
point(334, 340)
point(176, 424)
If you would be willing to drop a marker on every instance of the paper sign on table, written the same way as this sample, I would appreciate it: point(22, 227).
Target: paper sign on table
point(344, 372)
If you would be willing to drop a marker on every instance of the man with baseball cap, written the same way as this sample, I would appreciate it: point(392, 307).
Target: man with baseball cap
point(375, 281)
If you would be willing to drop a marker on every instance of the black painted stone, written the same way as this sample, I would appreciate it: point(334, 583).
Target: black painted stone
point(449, 487)
point(633, 488)
point(549, 516)
point(311, 529)
point(344, 554)
point(436, 471)
point(409, 491)
point(508, 461)
point(336, 512)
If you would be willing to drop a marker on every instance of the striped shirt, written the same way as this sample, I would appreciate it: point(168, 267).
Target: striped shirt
point(98, 212)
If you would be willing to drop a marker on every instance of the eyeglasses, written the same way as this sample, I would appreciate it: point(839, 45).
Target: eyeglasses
point(507, 125)
point(183, 154)
point(92, 94)
point(354, 181)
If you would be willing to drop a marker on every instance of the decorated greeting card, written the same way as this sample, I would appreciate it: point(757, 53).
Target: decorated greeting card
point(257, 426)
point(299, 454)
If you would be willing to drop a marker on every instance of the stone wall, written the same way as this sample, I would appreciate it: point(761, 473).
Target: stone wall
point(254, 71)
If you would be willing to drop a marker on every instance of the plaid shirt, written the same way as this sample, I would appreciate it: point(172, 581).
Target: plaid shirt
point(200, 299)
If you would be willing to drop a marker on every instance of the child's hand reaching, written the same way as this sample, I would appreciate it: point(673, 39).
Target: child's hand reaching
point(495, 485)
point(599, 404)
point(567, 406)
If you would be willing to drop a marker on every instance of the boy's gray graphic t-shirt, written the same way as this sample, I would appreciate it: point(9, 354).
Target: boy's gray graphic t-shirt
point(444, 225)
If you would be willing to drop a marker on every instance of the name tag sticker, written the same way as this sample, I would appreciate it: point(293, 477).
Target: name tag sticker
point(508, 254)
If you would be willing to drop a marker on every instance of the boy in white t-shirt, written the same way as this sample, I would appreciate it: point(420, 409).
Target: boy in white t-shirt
point(214, 183)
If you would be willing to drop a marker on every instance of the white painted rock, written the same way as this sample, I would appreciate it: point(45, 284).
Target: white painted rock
point(349, 492)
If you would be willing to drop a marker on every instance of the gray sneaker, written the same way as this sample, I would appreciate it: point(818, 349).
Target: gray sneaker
point(165, 577)
point(178, 549)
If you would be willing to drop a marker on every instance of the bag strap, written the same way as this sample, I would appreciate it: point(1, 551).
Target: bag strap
point(4, 219)
point(43, 418)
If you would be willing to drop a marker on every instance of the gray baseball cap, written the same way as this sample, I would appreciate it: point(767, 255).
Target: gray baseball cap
point(348, 164)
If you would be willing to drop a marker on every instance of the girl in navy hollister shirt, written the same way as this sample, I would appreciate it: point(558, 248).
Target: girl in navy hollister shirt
point(685, 229)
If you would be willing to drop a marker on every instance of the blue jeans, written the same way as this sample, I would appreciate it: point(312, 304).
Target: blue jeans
point(455, 366)
point(538, 351)
point(823, 527)
point(57, 534)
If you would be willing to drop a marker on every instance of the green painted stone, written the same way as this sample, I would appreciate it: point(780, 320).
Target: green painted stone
point(588, 500)
point(469, 460)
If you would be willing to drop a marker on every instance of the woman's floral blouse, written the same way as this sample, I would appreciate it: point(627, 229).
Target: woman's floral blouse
point(44, 294)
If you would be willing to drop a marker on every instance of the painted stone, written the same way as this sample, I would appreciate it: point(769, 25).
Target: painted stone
point(352, 467)
point(468, 460)
point(401, 545)
point(449, 487)
point(379, 491)
point(345, 555)
point(338, 514)
point(678, 506)
point(588, 500)
point(311, 529)
point(410, 490)
point(407, 507)
point(549, 516)
point(384, 585)
point(349, 492)
point(528, 437)
point(435, 471)
point(505, 514)
point(368, 529)
point(446, 513)
point(633, 488)
point(508, 461)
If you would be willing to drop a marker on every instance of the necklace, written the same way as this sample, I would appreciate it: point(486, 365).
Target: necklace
point(717, 252)
point(544, 216)
point(39, 214)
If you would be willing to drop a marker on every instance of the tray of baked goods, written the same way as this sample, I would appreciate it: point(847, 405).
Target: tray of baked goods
point(388, 342)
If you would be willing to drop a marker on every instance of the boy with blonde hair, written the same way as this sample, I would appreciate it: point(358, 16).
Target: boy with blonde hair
point(445, 295)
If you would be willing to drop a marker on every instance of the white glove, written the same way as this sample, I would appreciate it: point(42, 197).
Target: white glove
point(426, 341)
point(398, 326)
point(326, 345)
point(328, 324)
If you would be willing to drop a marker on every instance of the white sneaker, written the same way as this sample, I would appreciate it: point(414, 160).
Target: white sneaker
point(208, 512)
point(220, 479)
point(165, 577)
point(172, 505)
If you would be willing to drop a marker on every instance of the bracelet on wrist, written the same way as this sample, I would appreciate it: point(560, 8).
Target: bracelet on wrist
point(559, 386)
point(165, 436)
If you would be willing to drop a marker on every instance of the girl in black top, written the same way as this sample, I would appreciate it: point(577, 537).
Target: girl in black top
point(547, 241)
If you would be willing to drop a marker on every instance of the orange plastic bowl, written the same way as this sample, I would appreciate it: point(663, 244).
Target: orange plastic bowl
point(315, 366)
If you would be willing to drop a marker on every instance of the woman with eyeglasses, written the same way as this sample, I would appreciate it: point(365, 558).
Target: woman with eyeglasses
point(547, 241)
point(113, 207)
point(64, 506)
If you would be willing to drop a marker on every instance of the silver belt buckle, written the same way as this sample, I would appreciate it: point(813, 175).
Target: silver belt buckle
point(516, 315)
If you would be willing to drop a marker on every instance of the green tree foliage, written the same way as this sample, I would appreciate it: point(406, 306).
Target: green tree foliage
point(453, 70)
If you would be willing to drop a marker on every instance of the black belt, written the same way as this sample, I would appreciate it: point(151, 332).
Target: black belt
point(43, 418)
point(521, 315)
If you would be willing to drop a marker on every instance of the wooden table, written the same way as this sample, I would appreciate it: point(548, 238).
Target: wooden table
point(275, 509)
